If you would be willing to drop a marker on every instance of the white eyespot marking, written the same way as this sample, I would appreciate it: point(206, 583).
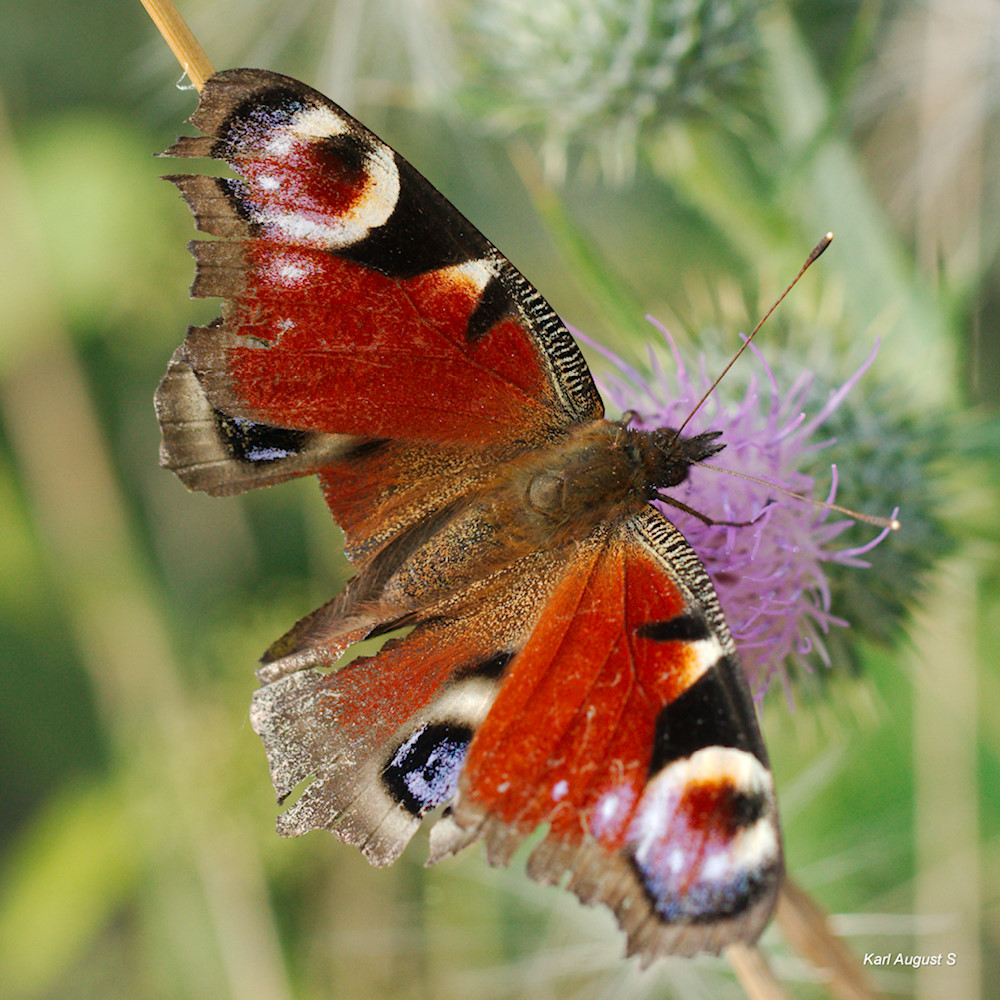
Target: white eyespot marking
point(560, 790)
point(280, 145)
point(675, 862)
point(290, 270)
point(466, 702)
point(705, 834)
point(374, 203)
point(714, 869)
point(268, 183)
point(700, 656)
point(292, 273)
point(267, 454)
point(300, 228)
point(260, 452)
point(318, 122)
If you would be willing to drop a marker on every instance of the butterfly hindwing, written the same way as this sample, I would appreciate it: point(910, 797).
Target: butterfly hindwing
point(600, 697)
point(384, 738)
point(381, 741)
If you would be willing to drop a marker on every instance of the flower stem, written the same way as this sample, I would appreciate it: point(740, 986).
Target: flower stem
point(181, 40)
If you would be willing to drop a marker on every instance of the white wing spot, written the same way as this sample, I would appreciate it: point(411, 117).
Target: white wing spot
point(700, 656)
point(289, 270)
point(280, 145)
point(611, 811)
point(318, 122)
point(292, 273)
point(472, 274)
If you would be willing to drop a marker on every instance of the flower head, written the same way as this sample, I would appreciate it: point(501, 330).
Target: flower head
point(596, 76)
point(773, 576)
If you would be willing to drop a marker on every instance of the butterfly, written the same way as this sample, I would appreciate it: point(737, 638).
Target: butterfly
point(566, 665)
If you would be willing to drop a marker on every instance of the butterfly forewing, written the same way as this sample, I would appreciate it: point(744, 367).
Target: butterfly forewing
point(626, 725)
point(568, 665)
point(357, 299)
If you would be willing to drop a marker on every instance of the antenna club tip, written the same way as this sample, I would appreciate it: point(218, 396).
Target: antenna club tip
point(818, 249)
point(895, 525)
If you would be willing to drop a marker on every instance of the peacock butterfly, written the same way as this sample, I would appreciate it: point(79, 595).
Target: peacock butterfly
point(567, 664)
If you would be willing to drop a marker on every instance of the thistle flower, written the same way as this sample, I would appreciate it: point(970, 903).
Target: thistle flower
point(777, 577)
point(599, 74)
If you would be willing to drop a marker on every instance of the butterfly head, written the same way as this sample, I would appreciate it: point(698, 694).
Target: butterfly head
point(668, 457)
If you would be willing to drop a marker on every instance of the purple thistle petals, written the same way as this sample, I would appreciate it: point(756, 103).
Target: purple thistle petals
point(769, 575)
point(838, 395)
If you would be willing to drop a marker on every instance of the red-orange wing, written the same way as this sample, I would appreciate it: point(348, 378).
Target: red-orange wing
point(598, 693)
point(359, 304)
point(625, 723)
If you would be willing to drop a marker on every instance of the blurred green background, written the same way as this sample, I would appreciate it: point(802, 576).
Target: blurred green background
point(136, 840)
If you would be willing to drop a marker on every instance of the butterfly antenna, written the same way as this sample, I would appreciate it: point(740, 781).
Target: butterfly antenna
point(816, 251)
point(873, 519)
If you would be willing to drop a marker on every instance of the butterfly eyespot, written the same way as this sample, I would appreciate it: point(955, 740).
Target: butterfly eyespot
point(423, 772)
point(722, 849)
point(259, 443)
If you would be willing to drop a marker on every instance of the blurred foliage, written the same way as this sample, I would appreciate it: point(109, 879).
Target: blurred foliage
point(137, 848)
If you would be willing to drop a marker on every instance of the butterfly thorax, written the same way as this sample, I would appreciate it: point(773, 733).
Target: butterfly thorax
point(600, 473)
point(574, 488)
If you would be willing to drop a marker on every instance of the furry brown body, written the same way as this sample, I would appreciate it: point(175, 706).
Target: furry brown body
point(538, 502)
